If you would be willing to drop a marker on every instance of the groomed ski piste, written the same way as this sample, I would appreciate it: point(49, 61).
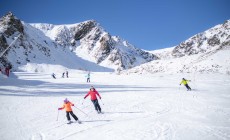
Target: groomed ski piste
point(135, 107)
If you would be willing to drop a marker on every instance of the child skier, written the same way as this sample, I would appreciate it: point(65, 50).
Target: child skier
point(185, 82)
point(93, 93)
point(67, 105)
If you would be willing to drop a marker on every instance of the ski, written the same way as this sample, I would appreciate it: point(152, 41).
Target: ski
point(70, 122)
point(100, 112)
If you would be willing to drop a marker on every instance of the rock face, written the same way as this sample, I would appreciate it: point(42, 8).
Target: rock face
point(10, 27)
point(11, 24)
point(84, 29)
point(215, 38)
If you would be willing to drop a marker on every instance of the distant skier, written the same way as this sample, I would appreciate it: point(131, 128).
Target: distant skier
point(185, 82)
point(7, 71)
point(93, 93)
point(67, 106)
point(54, 76)
point(88, 77)
point(67, 74)
point(63, 75)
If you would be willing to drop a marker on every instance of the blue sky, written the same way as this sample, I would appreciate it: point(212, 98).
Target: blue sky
point(147, 24)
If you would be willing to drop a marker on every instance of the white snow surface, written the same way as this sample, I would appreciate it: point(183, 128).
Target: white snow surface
point(165, 53)
point(136, 107)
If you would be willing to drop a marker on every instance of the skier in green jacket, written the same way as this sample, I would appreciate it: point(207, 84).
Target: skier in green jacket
point(185, 82)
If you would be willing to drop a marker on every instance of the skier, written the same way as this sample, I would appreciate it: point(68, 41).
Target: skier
point(67, 74)
point(88, 77)
point(7, 71)
point(67, 105)
point(63, 75)
point(93, 93)
point(185, 82)
point(54, 76)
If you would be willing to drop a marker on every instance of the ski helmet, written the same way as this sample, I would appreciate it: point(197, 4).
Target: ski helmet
point(66, 100)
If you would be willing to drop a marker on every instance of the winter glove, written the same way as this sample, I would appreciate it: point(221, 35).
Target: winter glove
point(84, 97)
point(72, 104)
point(59, 108)
point(100, 97)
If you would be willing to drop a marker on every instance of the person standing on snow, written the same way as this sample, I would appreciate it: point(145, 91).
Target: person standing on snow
point(67, 74)
point(88, 77)
point(54, 76)
point(7, 71)
point(67, 106)
point(185, 82)
point(93, 93)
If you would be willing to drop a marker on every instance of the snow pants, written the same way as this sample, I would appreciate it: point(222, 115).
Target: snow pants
point(96, 105)
point(188, 88)
point(88, 80)
point(73, 115)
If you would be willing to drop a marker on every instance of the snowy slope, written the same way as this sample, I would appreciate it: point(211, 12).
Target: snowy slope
point(155, 107)
point(218, 62)
point(165, 53)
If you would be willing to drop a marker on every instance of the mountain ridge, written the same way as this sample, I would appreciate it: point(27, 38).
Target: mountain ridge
point(75, 39)
point(89, 38)
point(88, 46)
point(207, 51)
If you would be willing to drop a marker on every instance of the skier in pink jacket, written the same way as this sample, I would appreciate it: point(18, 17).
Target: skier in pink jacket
point(93, 94)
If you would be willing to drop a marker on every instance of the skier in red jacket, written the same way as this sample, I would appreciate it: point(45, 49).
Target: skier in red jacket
point(93, 93)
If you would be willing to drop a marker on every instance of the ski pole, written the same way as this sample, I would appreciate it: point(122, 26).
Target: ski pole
point(9, 45)
point(57, 115)
point(80, 110)
point(101, 101)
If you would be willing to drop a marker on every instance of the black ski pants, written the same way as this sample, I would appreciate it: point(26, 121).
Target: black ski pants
point(96, 105)
point(88, 80)
point(188, 88)
point(73, 115)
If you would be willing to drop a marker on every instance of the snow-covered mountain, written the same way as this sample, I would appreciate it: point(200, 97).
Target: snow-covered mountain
point(87, 46)
point(205, 52)
point(91, 42)
point(33, 51)
point(212, 40)
point(84, 45)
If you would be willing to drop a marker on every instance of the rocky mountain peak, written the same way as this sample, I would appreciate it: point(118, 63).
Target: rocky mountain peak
point(215, 38)
point(84, 28)
point(10, 24)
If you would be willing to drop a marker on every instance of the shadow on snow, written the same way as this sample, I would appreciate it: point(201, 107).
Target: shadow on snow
point(47, 89)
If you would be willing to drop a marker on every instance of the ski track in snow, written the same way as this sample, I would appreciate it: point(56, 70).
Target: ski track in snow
point(153, 108)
